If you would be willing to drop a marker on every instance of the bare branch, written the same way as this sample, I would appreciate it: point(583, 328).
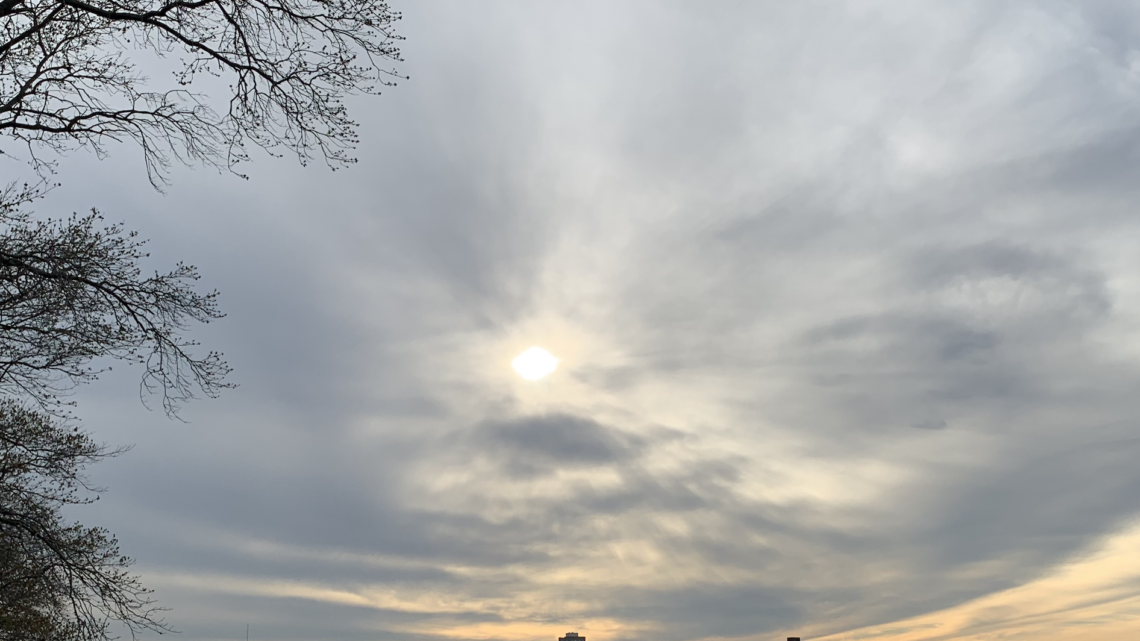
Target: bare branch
point(58, 581)
point(71, 291)
point(65, 83)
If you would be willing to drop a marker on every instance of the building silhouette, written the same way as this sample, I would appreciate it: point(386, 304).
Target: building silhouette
point(573, 637)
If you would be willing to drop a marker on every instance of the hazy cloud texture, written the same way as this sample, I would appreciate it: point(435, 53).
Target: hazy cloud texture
point(846, 299)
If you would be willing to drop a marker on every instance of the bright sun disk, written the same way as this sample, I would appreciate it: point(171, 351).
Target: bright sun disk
point(534, 363)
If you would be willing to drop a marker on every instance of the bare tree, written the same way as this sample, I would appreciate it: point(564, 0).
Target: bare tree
point(59, 581)
point(72, 293)
point(69, 75)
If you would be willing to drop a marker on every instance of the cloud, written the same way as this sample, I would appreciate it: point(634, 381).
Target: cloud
point(844, 297)
point(533, 446)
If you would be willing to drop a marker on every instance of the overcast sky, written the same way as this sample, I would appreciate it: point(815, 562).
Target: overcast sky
point(846, 297)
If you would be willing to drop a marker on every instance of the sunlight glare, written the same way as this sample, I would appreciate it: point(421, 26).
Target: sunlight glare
point(534, 363)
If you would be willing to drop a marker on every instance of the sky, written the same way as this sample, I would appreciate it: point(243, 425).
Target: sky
point(846, 299)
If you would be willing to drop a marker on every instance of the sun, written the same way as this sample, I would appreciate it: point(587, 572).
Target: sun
point(534, 363)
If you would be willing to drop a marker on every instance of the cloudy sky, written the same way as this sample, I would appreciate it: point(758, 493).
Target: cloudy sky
point(847, 302)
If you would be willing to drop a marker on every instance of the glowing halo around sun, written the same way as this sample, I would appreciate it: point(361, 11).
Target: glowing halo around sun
point(534, 363)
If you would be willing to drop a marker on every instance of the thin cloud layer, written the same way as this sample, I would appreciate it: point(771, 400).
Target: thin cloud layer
point(844, 298)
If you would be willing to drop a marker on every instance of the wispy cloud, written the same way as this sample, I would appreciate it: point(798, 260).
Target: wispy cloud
point(845, 302)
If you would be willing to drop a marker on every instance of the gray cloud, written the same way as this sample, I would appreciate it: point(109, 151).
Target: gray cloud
point(542, 444)
point(844, 298)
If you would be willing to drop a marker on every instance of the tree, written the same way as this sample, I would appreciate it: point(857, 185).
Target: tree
point(72, 293)
point(61, 581)
point(66, 79)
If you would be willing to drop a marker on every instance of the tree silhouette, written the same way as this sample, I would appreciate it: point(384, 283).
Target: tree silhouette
point(72, 293)
point(60, 581)
point(69, 75)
